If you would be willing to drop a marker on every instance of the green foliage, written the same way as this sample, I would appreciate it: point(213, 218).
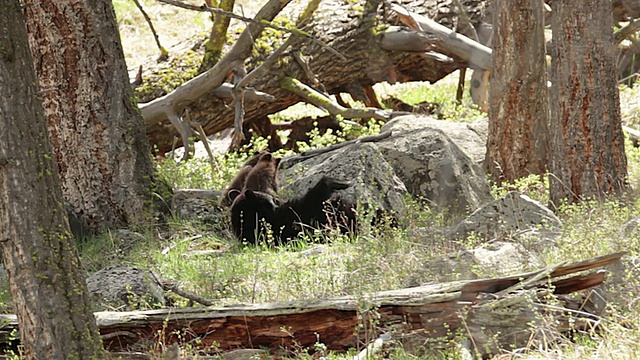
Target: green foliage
point(533, 186)
point(443, 93)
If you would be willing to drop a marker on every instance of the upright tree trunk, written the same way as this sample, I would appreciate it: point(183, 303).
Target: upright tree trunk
point(46, 282)
point(517, 145)
point(97, 133)
point(587, 144)
point(218, 37)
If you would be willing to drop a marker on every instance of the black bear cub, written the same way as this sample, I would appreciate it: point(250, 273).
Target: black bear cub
point(251, 211)
point(254, 213)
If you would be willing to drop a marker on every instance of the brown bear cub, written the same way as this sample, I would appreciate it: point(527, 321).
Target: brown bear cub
point(262, 176)
point(238, 182)
point(255, 214)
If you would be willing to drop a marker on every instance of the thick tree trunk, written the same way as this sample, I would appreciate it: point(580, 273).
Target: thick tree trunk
point(95, 128)
point(517, 144)
point(46, 282)
point(587, 143)
point(352, 30)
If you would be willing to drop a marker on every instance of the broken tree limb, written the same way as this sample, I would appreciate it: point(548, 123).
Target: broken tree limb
point(446, 40)
point(240, 88)
point(164, 54)
point(171, 105)
point(350, 30)
point(634, 135)
point(431, 313)
point(322, 101)
point(291, 160)
point(226, 91)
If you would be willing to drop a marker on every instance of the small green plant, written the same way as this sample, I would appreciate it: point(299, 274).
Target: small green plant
point(534, 186)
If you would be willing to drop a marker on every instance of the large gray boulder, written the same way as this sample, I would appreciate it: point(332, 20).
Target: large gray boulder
point(471, 138)
point(433, 166)
point(508, 215)
point(125, 286)
point(375, 184)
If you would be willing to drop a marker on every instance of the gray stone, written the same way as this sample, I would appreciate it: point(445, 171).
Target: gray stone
point(374, 181)
point(433, 166)
point(506, 216)
point(195, 204)
point(125, 286)
point(489, 260)
point(471, 138)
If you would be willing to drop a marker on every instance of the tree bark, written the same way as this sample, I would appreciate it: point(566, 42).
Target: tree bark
point(353, 31)
point(96, 130)
point(517, 144)
point(587, 144)
point(45, 277)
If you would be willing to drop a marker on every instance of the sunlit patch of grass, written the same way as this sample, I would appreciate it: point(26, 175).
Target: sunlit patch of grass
point(594, 228)
point(442, 93)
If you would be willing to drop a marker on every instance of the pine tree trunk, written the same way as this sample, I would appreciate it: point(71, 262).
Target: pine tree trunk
point(96, 131)
point(587, 144)
point(517, 145)
point(47, 285)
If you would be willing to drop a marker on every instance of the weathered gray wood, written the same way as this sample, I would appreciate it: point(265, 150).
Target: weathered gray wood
point(352, 31)
point(446, 40)
point(170, 106)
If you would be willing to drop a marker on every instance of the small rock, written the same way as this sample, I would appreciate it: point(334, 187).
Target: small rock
point(119, 286)
point(493, 259)
point(506, 216)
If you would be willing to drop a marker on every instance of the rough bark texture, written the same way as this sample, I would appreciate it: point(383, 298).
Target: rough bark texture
point(350, 28)
point(517, 145)
point(46, 282)
point(95, 128)
point(587, 156)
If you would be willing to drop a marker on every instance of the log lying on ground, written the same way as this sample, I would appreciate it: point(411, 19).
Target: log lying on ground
point(493, 312)
point(352, 31)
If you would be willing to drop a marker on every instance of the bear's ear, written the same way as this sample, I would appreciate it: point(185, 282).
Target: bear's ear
point(233, 194)
point(266, 157)
point(249, 194)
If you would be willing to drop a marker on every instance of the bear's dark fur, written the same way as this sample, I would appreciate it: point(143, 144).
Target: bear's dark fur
point(253, 212)
point(238, 182)
point(263, 175)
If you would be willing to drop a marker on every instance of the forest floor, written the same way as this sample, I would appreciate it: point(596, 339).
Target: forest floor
point(376, 260)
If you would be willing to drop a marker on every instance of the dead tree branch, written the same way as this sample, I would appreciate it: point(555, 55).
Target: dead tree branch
point(445, 40)
point(322, 101)
point(164, 54)
point(172, 105)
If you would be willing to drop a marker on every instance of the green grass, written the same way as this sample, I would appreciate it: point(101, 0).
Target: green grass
point(380, 258)
point(377, 259)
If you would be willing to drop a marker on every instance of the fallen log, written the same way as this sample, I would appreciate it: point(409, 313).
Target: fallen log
point(492, 313)
point(353, 32)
